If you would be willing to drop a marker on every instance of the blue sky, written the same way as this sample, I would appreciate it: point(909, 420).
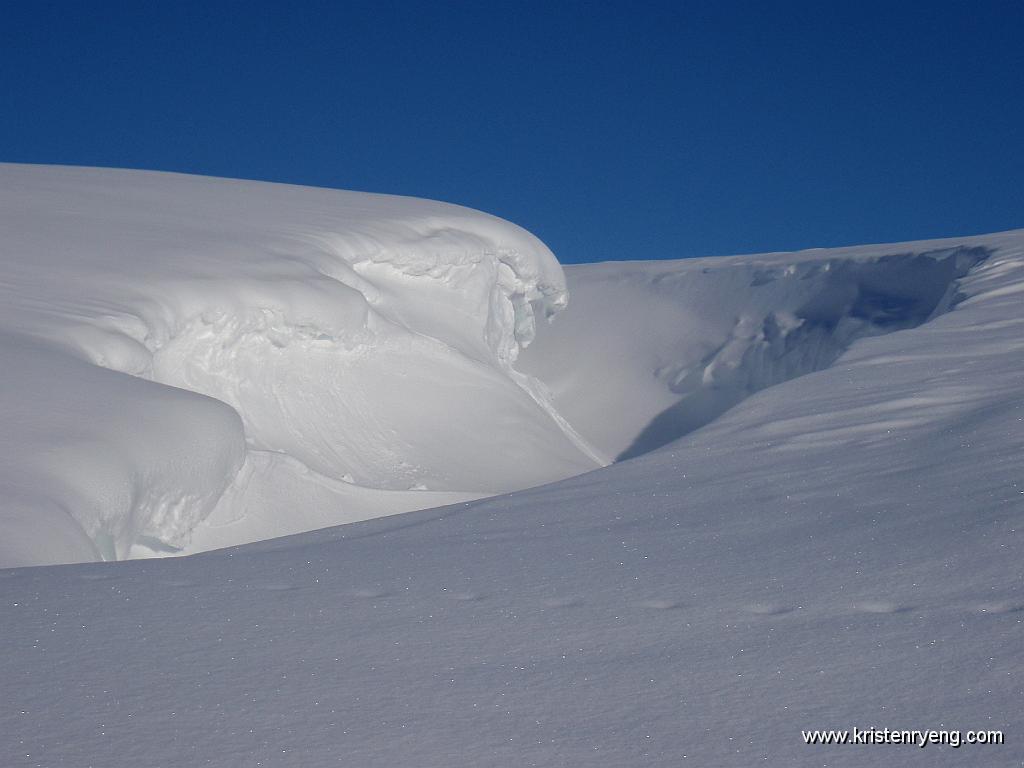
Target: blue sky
point(613, 131)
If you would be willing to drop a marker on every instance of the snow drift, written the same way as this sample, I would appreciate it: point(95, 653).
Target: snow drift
point(652, 351)
point(194, 362)
point(159, 331)
point(841, 549)
point(818, 528)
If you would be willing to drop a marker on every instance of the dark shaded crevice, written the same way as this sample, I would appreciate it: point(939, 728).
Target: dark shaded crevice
point(856, 299)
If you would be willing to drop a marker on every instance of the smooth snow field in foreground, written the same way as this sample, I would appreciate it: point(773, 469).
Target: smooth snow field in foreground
point(763, 494)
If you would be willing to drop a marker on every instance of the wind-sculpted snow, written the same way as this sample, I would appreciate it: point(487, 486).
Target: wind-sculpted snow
point(839, 550)
point(687, 340)
point(180, 349)
point(160, 332)
point(834, 544)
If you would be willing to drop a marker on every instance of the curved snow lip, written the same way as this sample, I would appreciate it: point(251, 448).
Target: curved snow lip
point(854, 300)
point(369, 337)
point(691, 339)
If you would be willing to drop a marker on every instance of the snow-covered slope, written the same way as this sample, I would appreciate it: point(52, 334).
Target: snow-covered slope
point(839, 550)
point(819, 526)
point(654, 350)
point(166, 339)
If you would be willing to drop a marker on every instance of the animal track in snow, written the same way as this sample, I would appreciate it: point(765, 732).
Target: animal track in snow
point(369, 593)
point(659, 604)
point(1000, 607)
point(881, 606)
point(465, 597)
point(275, 587)
point(769, 609)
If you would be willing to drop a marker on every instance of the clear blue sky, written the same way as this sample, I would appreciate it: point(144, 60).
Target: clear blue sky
point(612, 130)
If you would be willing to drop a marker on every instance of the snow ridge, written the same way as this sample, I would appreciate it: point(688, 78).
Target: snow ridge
point(340, 329)
point(691, 339)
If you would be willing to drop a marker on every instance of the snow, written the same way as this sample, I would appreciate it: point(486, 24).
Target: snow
point(688, 340)
point(160, 332)
point(818, 528)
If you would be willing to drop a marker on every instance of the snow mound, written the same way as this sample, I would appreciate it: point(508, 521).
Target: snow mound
point(159, 330)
